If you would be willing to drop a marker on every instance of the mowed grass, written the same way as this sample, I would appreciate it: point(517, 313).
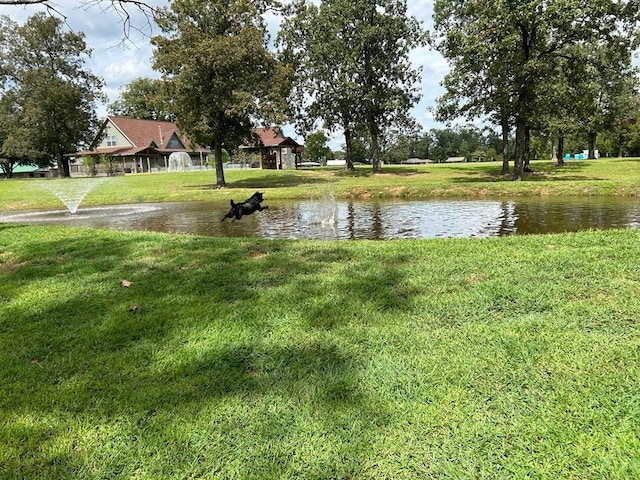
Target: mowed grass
point(620, 177)
point(142, 355)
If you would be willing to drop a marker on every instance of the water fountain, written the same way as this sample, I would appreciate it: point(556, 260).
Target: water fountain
point(69, 191)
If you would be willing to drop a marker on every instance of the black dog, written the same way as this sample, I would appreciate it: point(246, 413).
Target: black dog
point(247, 207)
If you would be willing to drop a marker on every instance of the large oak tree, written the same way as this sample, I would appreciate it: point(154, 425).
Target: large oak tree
point(220, 74)
point(48, 98)
point(353, 65)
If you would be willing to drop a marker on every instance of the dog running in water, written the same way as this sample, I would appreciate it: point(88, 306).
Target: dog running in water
point(247, 207)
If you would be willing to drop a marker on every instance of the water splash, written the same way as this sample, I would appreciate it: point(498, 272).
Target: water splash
point(71, 191)
point(328, 210)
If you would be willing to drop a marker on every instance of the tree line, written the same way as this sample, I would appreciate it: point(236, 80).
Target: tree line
point(540, 71)
point(550, 67)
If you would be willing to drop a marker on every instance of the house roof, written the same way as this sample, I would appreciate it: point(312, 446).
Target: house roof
point(26, 168)
point(147, 133)
point(144, 136)
point(273, 137)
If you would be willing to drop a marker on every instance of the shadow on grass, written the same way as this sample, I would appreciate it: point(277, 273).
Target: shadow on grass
point(276, 180)
point(195, 326)
point(540, 173)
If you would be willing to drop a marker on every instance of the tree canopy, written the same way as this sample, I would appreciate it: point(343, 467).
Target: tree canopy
point(143, 98)
point(48, 99)
point(504, 54)
point(353, 68)
point(316, 148)
point(219, 71)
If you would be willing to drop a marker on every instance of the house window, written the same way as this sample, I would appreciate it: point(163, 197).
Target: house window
point(111, 140)
point(174, 143)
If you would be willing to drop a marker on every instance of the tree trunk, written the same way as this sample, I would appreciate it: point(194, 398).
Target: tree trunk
point(7, 169)
point(217, 155)
point(348, 149)
point(592, 145)
point(505, 144)
point(527, 149)
point(560, 162)
point(525, 96)
point(63, 165)
point(518, 164)
point(620, 147)
point(375, 148)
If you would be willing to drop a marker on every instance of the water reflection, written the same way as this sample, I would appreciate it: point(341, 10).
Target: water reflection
point(328, 219)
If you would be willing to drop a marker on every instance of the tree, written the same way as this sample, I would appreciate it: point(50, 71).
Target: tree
point(49, 99)
point(526, 39)
point(480, 84)
point(143, 98)
point(323, 88)
point(606, 90)
point(623, 135)
point(353, 65)
point(218, 70)
point(315, 147)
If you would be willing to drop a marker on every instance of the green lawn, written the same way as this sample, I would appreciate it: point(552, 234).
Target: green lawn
point(596, 177)
point(141, 355)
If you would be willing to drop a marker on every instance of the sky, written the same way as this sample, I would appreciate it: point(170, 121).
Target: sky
point(118, 62)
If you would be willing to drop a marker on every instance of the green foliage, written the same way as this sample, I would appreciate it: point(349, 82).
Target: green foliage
point(108, 163)
point(353, 66)
point(90, 164)
point(440, 144)
point(157, 356)
point(250, 160)
point(316, 148)
point(48, 96)
point(520, 61)
point(143, 98)
point(211, 161)
point(218, 70)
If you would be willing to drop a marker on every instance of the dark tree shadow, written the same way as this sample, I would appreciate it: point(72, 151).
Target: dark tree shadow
point(91, 355)
point(279, 180)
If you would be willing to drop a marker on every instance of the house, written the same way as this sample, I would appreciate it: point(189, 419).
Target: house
point(276, 150)
point(456, 159)
point(139, 145)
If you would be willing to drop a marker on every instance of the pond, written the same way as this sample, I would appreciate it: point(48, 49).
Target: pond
point(346, 219)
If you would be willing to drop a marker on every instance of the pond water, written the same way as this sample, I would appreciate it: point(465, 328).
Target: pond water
point(378, 220)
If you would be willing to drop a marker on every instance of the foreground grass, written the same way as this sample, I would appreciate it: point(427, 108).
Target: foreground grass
point(598, 177)
point(502, 358)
